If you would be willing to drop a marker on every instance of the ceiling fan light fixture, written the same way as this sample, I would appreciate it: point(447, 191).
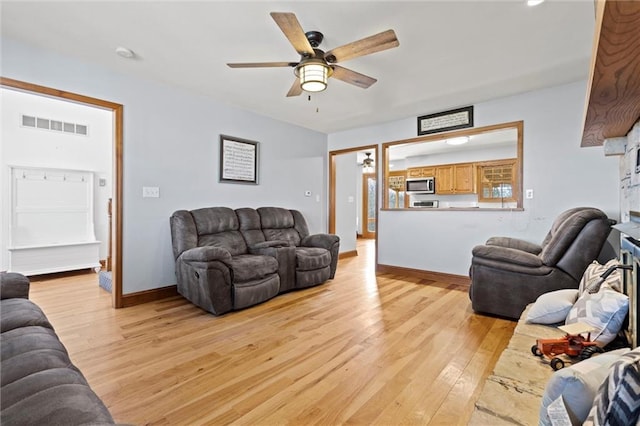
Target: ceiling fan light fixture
point(313, 76)
point(367, 163)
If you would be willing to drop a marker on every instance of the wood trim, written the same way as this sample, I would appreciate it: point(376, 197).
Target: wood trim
point(519, 165)
point(332, 193)
point(365, 199)
point(332, 187)
point(117, 207)
point(426, 275)
point(30, 87)
point(146, 296)
point(612, 106)
point(347, 254)
point(117, 110)
point(519, 125)
point(455, 134)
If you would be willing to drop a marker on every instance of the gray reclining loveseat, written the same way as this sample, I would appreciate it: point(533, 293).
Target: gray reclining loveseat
point(231, 259)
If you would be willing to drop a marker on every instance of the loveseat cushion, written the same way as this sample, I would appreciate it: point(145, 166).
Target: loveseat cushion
point(310, 258)
point(247, 267)
point(256, 291)
point(279, 224)
point(219, 227)
point(15, 313)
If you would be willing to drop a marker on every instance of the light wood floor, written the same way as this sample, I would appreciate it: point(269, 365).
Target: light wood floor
point(359, 349)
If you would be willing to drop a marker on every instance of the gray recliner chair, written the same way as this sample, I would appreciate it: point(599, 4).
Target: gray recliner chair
point(507, 273)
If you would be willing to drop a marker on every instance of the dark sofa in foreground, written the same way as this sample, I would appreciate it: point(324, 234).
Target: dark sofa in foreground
point(231, 259)
point(39, 384)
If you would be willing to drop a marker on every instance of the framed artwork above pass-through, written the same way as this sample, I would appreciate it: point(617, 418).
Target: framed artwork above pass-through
point(238, 160)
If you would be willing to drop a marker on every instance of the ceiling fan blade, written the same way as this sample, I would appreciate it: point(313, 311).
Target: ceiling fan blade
point(262, 64)
point(366, 46)
point(296, 89)
point(291, 28)
point(352, 77)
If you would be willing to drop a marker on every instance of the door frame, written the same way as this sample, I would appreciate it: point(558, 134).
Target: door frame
point(332, 188)
point(365, 198)
point(117, 157)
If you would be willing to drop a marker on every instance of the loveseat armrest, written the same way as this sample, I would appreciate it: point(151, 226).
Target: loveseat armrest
point(206, 254)
point(326, 241)
point(508, 256)
point(514, 243)
point(13, 285)
point(329, 242)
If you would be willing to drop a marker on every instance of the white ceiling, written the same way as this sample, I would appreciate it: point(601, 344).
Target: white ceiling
point(451, 53)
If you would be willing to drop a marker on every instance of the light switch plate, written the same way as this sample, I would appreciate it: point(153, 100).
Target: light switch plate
point(150, 192)
point(529, 194)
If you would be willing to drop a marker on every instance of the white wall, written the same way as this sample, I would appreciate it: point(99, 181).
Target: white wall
point(562, 175)
point(348, 176)
point(171, 140)
point(32, 147)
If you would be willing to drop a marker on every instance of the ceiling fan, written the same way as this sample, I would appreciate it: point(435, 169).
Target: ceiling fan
point(367, 163)
point(316, 66)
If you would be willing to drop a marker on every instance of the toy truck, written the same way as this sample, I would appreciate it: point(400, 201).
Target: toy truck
point(573, 344)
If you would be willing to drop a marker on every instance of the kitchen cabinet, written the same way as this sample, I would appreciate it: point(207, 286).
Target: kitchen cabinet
point(497, 181)
point(396, 195)
point(455, 179)
point(420, 172)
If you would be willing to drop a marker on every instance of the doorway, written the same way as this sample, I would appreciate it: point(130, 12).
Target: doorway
point(369, 217)
point(115, 243)
point(353, 197)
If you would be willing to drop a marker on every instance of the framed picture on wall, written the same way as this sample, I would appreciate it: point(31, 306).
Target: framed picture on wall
point(238, 160)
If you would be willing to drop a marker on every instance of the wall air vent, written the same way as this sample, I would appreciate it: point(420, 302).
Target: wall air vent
point(54, 125)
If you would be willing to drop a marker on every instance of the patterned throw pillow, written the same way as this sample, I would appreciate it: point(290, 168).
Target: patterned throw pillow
point(618, 399)
point(591, 277)
point(604, 311)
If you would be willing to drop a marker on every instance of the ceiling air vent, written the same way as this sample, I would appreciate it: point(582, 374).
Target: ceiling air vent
point(55, 125)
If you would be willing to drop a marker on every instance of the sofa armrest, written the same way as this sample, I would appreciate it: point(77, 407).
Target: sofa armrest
point(326, 241)
point(507, 255)
point(206, 254)
point(13, 285)
point(514, 243)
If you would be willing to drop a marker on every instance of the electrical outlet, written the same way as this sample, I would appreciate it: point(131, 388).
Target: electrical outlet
point(529, 194)
point(150, 192)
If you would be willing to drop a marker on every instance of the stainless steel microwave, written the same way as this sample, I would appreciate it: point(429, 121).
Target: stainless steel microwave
point(425, 185)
